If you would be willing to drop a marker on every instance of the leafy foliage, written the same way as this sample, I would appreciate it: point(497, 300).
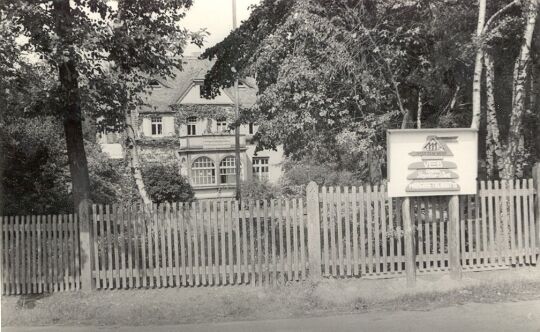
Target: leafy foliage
point(300, 173)
point(332, 76)
point(36, 178)
point(117, 47)
point(103, 54)
point(257, 190)
point(165, 184)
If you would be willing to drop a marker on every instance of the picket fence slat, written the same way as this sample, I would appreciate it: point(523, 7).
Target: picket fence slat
point(362, 225)
point(533, 227)
point(124, 248)
point(303, 226)
point(245, 250)
point(324, 217)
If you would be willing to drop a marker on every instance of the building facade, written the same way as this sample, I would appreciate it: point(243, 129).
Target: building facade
point(178, 125)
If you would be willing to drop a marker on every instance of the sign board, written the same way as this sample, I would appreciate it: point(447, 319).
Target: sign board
point(432, 162)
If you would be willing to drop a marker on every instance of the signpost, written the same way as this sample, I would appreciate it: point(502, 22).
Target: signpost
point(432, 162)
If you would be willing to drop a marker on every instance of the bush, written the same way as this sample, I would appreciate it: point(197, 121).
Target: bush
point(164, 184)
point(256, 189)
point(300, 173)
point(36, 177)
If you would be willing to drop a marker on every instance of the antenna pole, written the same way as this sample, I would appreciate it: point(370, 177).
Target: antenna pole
point(237, 116)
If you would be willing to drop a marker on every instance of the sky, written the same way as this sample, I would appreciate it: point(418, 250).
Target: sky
point(216, 17)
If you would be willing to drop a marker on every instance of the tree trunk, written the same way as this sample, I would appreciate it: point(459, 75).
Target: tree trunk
point(133, 155)
point(407, 118)
point(71, 108)
point(477, 79)
point(511, 154)
point(535, 98)
point(419, 111)
point(493, 143)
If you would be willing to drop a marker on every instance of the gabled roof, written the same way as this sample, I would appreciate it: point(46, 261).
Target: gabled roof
point(173, 90)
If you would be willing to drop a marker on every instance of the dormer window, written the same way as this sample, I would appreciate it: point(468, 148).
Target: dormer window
point(201, 91)
point(154, 84)
point(200, 83)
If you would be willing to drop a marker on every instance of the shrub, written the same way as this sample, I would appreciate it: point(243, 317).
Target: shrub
point(164, 184)
point(256, 189)
point(300, 173)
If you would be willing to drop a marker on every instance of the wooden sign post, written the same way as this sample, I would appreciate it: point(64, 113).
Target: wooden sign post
point(410, 250)
point(432, 162)
point(454, 259)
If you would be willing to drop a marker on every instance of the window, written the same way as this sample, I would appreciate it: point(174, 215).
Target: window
point(251, 128)
point(154, 84)
point(192, 126)
point(157, 125)
point(227, 170)
point(201, 91)
point(260, 168)
point(222, 126)
point(203, 171)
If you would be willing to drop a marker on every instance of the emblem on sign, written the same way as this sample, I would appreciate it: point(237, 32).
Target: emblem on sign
point(433, 173)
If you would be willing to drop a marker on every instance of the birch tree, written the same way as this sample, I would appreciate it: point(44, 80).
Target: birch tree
point(506, 154)
point(333, 76)
point(513, 151)
point(477, 83)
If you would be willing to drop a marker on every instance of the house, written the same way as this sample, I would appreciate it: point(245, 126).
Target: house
point(178, 125)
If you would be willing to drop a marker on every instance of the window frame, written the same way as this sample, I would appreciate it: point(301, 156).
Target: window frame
point(222, 126)
point(191, 126)
point(204, 173)
point(156, 126)
point(227, 170)
point(261, 168)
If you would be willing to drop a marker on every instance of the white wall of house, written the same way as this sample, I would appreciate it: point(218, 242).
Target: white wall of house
point(114, 151)
point(110, 144)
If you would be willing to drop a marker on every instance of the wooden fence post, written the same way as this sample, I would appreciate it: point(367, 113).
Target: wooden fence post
point(536, 177)
point(85, 242)
point(313, 231)
point(410, 253)
point(454, 262)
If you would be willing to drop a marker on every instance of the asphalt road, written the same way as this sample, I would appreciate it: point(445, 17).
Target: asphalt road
point(510, 316)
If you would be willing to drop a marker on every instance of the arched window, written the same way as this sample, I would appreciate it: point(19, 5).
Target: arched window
point(203, 171)
point(227, 170)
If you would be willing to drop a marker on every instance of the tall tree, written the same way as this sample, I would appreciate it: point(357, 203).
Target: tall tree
point(332, 76)
point(80, 42)
point(507, 44)
point(513, 154)
point(477, 83)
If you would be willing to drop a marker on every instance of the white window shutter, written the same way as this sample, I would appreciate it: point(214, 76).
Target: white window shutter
point(146, 127)
point(168, 126)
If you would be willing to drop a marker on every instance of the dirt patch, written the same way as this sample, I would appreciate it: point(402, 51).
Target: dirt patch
point(211, 304)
